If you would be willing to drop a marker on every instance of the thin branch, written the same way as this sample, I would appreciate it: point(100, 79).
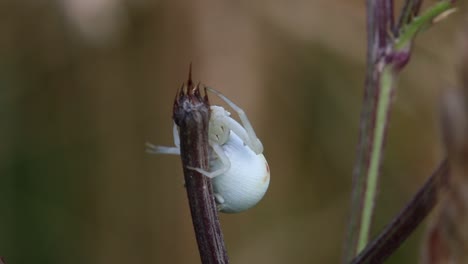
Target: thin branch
point(391, 17)
point(408, 11)
point(424, 20)
point(386, 57)
point(191, 114)
point(382, 113)
point(378, 22)
point(407, 220)
point(384, 19)
point(403, 18)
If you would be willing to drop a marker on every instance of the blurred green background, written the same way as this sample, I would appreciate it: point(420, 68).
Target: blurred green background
point(85, 83)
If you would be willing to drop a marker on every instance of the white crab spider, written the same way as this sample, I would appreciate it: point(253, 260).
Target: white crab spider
point(239, 171)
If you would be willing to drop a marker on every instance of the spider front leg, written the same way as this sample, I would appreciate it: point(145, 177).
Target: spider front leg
point(153, 149)
point(219, 201)
point(245, 132)
point(225, 162)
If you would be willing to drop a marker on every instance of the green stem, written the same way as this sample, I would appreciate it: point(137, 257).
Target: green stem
point(417, 24)
point(383, 107)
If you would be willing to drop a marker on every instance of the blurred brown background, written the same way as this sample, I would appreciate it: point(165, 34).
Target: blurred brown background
point(85, 83)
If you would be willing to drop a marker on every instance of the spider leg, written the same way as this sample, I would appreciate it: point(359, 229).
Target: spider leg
point(226, 163)
point(219, 198)
point(246, 133)
point(219, 201)
point(153, 149)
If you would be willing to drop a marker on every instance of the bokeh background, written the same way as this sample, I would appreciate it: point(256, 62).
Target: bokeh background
point(85, 83)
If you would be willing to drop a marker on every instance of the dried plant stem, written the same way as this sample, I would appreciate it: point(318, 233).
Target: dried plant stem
point(407, 220)
point(192, 115)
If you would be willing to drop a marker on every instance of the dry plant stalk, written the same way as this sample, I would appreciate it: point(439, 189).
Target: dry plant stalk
point(447, 237)
point(191, 113)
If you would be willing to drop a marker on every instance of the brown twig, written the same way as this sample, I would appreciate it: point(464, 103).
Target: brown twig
point(192, 114)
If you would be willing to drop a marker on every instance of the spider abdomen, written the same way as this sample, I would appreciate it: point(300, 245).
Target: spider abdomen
point(247, 180)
